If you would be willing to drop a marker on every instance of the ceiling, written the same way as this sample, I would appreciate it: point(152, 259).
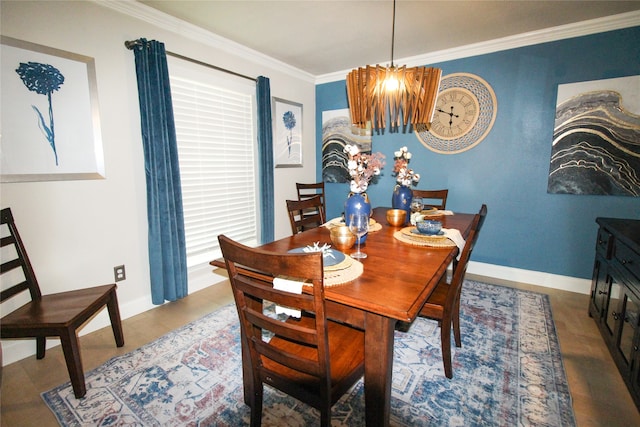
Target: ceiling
point(326, 36)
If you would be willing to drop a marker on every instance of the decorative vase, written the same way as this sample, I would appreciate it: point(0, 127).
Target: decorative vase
point(357, 203)
point(401, 199)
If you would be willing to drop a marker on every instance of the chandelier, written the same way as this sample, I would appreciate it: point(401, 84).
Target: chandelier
point(408, 94)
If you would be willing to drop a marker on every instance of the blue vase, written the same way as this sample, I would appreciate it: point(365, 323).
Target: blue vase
point(357, 203)
point(401, 199)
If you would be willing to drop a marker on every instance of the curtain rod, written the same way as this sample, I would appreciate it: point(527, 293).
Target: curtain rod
point(133, 43)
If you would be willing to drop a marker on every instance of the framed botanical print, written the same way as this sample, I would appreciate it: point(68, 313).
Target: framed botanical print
point(287, 133)
point(50, 117)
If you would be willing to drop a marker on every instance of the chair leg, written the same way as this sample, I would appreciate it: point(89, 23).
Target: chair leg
point(445, 342)
point(325, 417)
point(71, 351)
point(114, 315)
point(256, 406)
point(41, 347)
point(456, 324)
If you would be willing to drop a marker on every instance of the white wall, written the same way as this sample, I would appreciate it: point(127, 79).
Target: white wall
point(77, 231)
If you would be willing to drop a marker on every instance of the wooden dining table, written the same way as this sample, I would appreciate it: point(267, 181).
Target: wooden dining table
point(397, 279)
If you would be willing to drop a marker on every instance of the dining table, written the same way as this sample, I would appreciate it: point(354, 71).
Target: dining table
point(397, 278)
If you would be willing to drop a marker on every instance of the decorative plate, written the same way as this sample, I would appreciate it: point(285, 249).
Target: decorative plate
point(331, 258)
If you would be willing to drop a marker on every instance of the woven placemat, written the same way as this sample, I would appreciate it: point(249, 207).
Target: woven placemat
point(345, 275)
point(376, 226)
point(373, 224)
point(406, 236)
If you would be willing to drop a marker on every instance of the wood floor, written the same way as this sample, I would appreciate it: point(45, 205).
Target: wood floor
point(600, 397)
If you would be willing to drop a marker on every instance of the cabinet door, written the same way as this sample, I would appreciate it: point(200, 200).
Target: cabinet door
point(613, 308)
point(628, 327)
point(635, 367)
point(599, 289)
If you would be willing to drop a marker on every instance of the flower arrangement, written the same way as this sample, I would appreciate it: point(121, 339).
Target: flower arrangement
point(362, 167)
point(404, 175)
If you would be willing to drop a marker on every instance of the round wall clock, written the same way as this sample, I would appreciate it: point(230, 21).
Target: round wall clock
point(466, 108)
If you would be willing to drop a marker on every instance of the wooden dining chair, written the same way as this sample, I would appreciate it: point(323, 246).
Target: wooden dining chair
point(434, 198)
point(306, 191)
point(443, 304)
point(54, 315)
point(312, 359)
point(305, 214)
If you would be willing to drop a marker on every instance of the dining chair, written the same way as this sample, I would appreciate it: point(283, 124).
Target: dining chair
point(53, 315)
point(434, 198)
point(305, 214)
point(443, 304)
point(312, 359)
point(306, 191)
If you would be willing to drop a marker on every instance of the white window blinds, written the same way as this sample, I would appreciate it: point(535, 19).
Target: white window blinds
point(215, 129)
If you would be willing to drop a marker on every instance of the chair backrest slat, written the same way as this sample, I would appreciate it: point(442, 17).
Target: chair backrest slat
point(251, 273)
point(18, 282)
point(462, 264)
point(306, 191)
point(305, 214)
point(434, 198)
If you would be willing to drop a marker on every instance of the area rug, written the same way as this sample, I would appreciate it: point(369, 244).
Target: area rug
point(508, 372)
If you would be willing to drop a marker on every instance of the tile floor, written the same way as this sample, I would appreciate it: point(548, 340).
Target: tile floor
point(600, 397)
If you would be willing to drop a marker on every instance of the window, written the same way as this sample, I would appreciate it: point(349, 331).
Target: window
point(215, 128)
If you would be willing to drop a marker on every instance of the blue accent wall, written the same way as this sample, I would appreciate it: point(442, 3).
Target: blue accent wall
point(526, 227)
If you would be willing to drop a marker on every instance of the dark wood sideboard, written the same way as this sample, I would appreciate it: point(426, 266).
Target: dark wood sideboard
point(615, 295)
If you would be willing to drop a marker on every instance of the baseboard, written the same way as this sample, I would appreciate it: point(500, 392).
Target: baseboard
point(538, 278)
point(14, 350)
point(18, 349)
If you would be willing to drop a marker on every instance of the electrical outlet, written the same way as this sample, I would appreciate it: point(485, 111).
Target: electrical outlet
point(119, 273)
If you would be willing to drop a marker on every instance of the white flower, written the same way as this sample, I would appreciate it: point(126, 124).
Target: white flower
point(404, 175)
point(362, 167)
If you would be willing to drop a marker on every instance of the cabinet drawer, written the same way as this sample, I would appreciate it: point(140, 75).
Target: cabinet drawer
point(604, 243)
point(627, 258)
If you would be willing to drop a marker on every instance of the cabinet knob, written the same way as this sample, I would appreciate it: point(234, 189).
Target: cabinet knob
point(602, 293)
point(615, 315)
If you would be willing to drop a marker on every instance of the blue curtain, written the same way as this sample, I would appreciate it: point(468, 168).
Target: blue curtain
point(167, 253)
point(265, 154)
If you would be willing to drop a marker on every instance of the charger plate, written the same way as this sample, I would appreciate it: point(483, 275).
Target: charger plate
point(345, 263)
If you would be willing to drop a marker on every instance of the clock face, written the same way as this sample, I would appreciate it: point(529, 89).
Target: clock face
point(466, 109)
point(457, 111)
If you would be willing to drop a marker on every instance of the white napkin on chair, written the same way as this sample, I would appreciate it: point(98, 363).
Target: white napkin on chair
point(456, 237)
point(287, 285)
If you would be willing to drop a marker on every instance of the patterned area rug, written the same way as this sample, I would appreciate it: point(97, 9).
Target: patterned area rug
point(508, 372)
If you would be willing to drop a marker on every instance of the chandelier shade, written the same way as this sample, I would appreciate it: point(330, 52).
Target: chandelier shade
point(407, 94)
point(404, 92)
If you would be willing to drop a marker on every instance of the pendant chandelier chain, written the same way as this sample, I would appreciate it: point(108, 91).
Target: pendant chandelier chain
point(393, 31)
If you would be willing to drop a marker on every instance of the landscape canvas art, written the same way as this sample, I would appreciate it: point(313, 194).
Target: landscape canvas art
point(596, 138)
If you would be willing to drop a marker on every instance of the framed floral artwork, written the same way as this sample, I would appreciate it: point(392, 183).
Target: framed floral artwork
point(287, 133)
point(49, 112)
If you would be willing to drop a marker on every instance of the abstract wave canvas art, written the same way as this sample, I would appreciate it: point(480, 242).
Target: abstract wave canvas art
point(596, 139)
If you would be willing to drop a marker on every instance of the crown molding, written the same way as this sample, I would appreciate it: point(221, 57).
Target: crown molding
point(145, 13)
point(578, 29)
point(162, 20)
